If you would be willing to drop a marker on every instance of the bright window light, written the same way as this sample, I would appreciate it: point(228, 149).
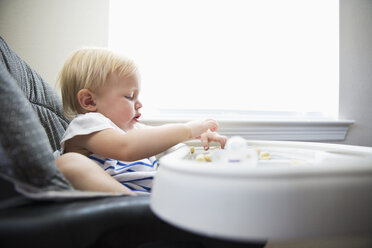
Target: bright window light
point(244, 56)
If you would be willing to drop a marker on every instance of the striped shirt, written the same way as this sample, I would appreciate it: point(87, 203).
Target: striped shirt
point(136, 175)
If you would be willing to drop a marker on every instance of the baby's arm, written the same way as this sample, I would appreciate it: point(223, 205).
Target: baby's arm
point(142, 143)
point(84, 174)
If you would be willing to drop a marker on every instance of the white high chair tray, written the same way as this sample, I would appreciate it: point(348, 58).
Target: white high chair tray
point(305, 190)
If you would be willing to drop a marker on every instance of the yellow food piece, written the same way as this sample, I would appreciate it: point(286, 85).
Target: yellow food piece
point(200, 158)
point(265, 156)
point(192, 149)
point(204, 157)
point(208, 157)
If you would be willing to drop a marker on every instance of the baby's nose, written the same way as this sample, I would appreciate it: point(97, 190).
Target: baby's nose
point(138, 105)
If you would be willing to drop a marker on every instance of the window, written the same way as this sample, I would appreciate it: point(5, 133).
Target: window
point(240, 57)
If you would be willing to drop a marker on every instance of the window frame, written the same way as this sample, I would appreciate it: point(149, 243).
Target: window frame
point(268, 128)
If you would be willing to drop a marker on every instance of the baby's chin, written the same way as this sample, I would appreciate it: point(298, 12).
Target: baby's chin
point(130, 126)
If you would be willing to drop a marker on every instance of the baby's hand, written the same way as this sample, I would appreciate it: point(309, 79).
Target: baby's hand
point(205, 131)
point(198, 127)
point(209, 136)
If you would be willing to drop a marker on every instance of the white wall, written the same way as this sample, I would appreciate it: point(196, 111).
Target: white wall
point(44, 32)
point(356, 69)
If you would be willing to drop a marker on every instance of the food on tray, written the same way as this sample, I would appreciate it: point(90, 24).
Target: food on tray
point(208, 157)
point(204, 157)
point(237, 151)
point(264, 156)
point(192, 149)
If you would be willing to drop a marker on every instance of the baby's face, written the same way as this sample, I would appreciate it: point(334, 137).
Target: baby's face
point(118, 100)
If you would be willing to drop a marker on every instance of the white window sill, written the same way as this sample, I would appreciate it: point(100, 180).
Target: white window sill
point(266, 127)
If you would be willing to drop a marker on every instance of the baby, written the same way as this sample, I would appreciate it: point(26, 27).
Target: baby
point(105, 148)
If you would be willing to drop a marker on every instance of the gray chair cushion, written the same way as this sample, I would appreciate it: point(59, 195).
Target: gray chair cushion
point(28, 160)
point(32, 123)
point(44, 101)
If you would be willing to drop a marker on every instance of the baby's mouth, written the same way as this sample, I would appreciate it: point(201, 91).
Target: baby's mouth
point(137, 117)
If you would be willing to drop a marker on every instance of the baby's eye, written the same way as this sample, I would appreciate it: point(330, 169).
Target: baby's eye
point(129, 97)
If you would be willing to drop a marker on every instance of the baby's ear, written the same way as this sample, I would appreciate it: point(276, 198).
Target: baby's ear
point(86, 100)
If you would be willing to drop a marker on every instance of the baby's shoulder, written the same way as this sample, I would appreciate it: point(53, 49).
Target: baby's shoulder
point(88, 123)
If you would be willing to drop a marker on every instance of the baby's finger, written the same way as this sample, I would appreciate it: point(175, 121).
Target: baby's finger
point(208, 137)
point(205, 140)
point(219, 139)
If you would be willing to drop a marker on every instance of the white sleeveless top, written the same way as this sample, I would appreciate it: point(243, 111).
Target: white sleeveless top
point(137, 175)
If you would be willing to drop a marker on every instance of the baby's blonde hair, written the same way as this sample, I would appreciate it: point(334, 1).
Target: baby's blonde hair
point(89, 68)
